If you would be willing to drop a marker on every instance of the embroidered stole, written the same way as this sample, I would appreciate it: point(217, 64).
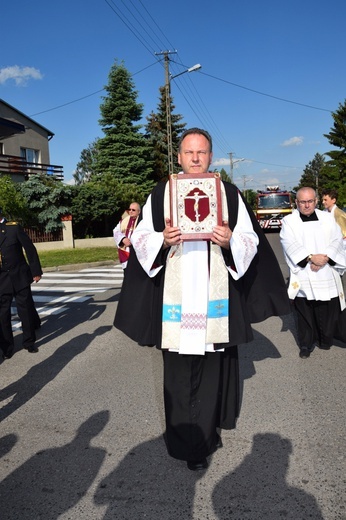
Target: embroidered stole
point(195, 299)
point(127, 225)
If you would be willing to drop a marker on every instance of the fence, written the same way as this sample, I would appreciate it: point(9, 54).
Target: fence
point(39, 237)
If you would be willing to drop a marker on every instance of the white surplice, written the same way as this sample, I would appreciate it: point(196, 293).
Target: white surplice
point(194, 272)
point(300, 239)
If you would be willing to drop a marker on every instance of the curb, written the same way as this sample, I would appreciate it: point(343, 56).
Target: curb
point(77, 267)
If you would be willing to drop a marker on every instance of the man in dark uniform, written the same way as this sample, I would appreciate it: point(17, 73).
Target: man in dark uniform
point(16, 276)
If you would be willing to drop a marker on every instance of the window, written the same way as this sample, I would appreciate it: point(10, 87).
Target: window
point(30, 155)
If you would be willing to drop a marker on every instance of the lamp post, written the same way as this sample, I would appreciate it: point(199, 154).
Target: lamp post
point(168, 79)
point(232, 163)
point(245, 181)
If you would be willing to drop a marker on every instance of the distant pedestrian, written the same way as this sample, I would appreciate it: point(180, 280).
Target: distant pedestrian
point(313, 248)
point(329, 200)
point(16, 276)
point(123, 231)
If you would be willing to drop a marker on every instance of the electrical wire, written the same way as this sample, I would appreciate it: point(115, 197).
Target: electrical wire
point(149, 38)
point(268, 95)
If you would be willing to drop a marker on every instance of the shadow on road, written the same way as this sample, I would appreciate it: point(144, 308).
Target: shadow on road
point(41, 374)
point(54, 480)
point(258, 490)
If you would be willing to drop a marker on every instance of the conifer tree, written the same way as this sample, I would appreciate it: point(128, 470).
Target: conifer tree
point(86, 165)
point(156, 131)
point(123, 152)
point(312, 174)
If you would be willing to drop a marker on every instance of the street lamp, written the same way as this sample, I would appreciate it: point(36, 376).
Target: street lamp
point(168, 79)
point(232, 164)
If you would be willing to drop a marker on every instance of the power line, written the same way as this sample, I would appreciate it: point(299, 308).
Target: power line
point(89, 95)
point(193, 101)
point(268, 95)
point(129, 25)
point(68, 103)
point(278, 165)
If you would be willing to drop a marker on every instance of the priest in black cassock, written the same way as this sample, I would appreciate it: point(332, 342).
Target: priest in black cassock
point(195, 300)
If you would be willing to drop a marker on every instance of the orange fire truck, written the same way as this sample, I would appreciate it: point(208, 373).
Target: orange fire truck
point(271, 206)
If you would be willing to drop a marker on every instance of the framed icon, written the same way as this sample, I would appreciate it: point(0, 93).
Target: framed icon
point(195, 204)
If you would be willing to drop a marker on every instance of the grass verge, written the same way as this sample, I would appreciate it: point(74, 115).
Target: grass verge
point(77, 256)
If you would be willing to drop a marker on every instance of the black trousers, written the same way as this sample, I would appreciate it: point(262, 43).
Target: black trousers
point(317, 321)
point(201, 394)
point(27, 315)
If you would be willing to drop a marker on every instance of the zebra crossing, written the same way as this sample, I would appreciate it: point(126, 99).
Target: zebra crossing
point(97, 279)
point(58, 290)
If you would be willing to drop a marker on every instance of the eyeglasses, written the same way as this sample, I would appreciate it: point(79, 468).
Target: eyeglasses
point(311, 201)
point(131, 209)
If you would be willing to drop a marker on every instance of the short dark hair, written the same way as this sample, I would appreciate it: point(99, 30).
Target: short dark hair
point(333, 194)
point(196, 130)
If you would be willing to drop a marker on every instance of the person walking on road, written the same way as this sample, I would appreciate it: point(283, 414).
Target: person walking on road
point(123, 231)
point(16, 276)
point(313, 248)
point(195, 300)
point(329, 200)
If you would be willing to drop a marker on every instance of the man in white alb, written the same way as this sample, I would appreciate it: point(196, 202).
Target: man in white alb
point(313, 247)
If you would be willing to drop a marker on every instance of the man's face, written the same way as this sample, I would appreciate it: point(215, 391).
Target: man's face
point(195, 155)
point(327, 202)
point(306, 202)
point(134, 210)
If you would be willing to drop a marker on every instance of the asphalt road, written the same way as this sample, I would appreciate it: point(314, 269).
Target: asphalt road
point(82, 424)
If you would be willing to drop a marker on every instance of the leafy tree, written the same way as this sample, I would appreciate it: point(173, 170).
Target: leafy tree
point(251, 198)
point(335, 171)
point(123, 152)
point(86, 165)
point(12, 202)
point(156, 131)
point(47, 200)
point(97, 205)
point(224, 175)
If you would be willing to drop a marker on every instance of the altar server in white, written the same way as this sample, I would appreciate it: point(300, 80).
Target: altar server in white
point(313, 247)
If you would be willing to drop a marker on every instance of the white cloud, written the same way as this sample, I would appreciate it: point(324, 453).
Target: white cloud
point(19, 74)
point(70, 182)
point(293, 141)
point(222, 161)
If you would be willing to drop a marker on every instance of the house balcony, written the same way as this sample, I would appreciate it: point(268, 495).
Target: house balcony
point(20, 169)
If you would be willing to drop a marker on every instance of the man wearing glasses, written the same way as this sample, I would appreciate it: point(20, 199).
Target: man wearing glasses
point(313, 248)
point(329, 199)
point(123, 231)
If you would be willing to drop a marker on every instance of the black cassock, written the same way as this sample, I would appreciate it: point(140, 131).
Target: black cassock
point(201, 392)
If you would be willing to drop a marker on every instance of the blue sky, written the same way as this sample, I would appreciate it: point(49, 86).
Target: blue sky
point(272, 73)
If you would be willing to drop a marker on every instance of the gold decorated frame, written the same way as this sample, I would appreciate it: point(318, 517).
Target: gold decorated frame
point(195, 204)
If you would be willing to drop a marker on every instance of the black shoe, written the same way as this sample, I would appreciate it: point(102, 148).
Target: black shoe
point(9, 353)
point(197, 465)
point(32, 349)
point(324, 347)
point(304, 353)
point(218, 442)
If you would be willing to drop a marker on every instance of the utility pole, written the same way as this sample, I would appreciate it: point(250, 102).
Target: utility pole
point(231, 168)
point(245, 180)
point(168, 79)
point(232, 163)
point(168, 109)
